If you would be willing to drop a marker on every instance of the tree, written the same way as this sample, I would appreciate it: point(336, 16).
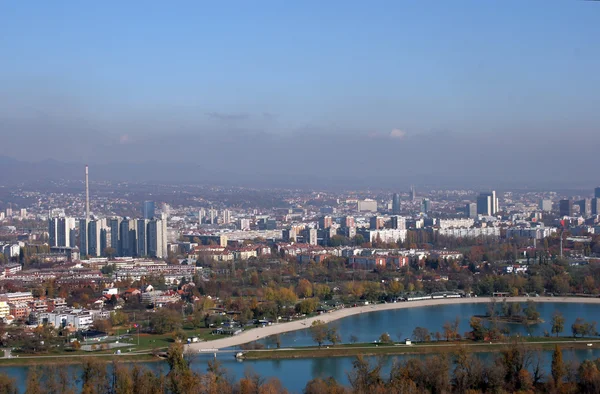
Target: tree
point(558, 323)
point(333, 336)
point(385, 338)
point(304, 289)
point(557, 368)
point(478, 331)
point(531, 312)
point(165, 320)
point(94, 377)
point(353, 338)
point(319, 331)
point(421, 334)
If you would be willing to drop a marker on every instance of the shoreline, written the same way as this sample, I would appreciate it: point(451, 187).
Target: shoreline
point(280, 328)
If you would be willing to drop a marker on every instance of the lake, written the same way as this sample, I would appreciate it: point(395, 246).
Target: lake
point(367, 327)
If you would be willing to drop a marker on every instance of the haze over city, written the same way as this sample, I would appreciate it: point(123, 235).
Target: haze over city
point(464, 93)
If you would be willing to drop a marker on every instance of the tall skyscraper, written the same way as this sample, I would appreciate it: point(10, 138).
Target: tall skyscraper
point(226, 216)
point(425, 205)
point(396, 204)
point(59, 231)
point(487, 204)
point(597, 192)
point(565, 208)
point(114, 225)
point(148, 210)
point(83, 237)
point(127, 237)
point(142, 237)
point(157, 238)
point(413, 193)
point(94, 228)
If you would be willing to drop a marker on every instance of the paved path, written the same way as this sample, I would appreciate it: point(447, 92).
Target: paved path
point(279, 328)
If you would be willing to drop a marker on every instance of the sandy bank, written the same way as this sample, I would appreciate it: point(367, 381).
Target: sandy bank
point(279, 328)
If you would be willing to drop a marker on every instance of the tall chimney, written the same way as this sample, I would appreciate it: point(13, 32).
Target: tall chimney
point(87, 194)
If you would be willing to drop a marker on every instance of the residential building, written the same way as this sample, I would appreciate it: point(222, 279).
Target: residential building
point(471, 210)
point(398, 222)
point(325, 222)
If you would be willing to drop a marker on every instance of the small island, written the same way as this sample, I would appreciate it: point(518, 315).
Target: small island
point(513, 313)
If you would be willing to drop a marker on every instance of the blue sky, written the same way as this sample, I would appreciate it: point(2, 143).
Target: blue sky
point(133, 71)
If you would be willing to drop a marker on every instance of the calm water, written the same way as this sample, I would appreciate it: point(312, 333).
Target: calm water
point(367, 327)
point(294, 373)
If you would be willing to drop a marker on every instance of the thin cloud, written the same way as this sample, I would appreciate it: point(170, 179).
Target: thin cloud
point(398, 134)
point(227, 116)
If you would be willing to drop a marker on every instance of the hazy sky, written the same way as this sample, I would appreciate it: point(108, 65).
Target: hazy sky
point(476, 90)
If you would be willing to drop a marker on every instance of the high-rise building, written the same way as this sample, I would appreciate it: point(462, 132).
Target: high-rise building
point(565, 208)
point(398, 223)
point(425, 205)
point(487, 204)
point(325, 222)
point(142, 237)
point(114, 225)
point(348, 222)
point(127, 237)
point(376, 222)
point(226, 216)
point(59, 231)
point(585, 207)
point(312, 236)
point(201, 215)
point(545, 205)
point(83, 237)
point(104, 240)
point(396, 204)
point(471, 210)
point(413, 193)
point(244, 224)
point(94, 244)
point(157, 238)
point(597, 192)
point(595, 206)
point(148, 210)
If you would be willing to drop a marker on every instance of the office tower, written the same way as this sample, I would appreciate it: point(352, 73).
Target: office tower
point(148, 210)
point(325, 222)
point(59, 231)
point(425, 205)
point(413, 193)
point(565, 208)
point(93, 233)
point(597, 192)
point(157, 238)
point(545, 205)
point(595, 206)
point(348, 221)
point(396, 204)
point(471, 210)
point(127, 237)
point(398, 223)
point(114, 225)
point(585, 207)
point(104, 240)
point(142, 237)
point(487, 204)
point(83, 237)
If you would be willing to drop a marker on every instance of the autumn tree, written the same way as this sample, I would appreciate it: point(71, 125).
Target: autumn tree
point(557, 367)
point(319, 332)
point(558, 323)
